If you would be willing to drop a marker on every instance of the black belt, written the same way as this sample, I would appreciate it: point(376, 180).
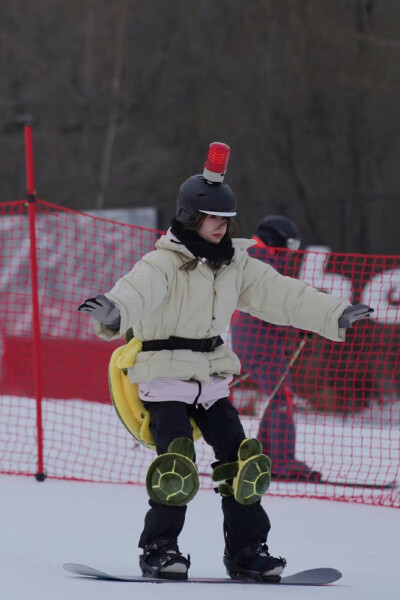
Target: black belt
point(179, 343)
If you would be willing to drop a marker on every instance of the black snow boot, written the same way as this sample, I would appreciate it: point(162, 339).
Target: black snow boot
point(256, 563)
point(163, 560)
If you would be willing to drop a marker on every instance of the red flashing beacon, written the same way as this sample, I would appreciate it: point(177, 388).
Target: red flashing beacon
point(217, 162)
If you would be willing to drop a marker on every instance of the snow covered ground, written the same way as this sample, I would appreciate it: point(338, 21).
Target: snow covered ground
point(44, 525)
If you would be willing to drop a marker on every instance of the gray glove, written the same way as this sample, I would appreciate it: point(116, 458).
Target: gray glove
point(354, 313)
point(103, 310)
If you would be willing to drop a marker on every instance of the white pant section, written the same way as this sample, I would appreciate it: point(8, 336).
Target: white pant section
point(164, 389)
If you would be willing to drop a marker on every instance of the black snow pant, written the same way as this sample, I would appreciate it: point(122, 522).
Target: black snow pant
point(223, 431)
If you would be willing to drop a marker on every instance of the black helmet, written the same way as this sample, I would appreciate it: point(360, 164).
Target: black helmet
point(199, 195)
point(279, 232)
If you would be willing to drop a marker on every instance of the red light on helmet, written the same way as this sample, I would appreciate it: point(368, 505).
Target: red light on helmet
point(217, 162)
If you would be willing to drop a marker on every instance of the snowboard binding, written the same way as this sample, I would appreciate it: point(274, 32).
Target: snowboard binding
point(254, 563)
point(163, 560)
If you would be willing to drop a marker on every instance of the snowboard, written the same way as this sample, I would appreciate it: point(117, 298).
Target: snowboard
point(321, 576)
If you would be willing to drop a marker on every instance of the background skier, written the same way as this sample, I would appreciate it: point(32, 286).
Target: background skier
point(261, 348)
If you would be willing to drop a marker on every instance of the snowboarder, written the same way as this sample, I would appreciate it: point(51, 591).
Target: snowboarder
point(261, 350)
point(179, 299)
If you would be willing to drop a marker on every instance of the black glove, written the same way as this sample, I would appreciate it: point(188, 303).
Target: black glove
point(354, 313)
point(103, 310)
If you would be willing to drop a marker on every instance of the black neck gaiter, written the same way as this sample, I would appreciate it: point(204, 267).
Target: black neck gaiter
point(217, 254)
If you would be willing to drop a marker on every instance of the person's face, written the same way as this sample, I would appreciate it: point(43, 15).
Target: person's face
point(213, 228)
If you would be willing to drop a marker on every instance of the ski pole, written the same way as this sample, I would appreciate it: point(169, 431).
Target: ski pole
point(239, 380)
point(304, 337)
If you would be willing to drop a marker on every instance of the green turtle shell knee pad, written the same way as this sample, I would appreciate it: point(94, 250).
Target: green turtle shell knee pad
point(172, 478)
point(250, 474)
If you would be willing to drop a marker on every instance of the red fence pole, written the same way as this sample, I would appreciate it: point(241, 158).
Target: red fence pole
point(37, 359)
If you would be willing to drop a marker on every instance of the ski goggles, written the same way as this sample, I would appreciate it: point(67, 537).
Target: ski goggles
point(293, 243)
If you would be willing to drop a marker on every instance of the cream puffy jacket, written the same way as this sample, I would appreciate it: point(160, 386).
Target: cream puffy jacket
point(159, 299)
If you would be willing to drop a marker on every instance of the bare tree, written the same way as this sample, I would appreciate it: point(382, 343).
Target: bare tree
point(120, 26)
point(306, 92)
